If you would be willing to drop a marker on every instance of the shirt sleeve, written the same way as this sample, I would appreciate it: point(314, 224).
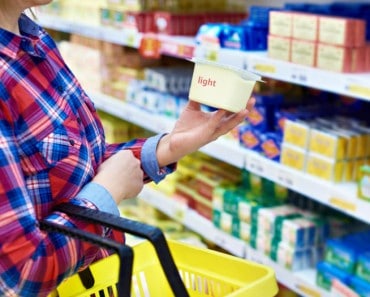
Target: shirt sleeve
point(145, 150)
point(149, 160)
point(100, 197)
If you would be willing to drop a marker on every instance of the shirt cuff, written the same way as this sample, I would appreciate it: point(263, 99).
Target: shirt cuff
point(149, 160)
point(100, 197)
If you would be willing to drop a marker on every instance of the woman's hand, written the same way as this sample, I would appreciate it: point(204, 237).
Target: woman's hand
point(195, 129)
point(121, 176)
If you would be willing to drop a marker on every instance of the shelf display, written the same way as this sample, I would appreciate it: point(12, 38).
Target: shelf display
point(321, 164)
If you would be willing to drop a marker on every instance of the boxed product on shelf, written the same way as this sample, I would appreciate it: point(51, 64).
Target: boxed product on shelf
point(303, 52)
point(279, 47)
point(305, 26)
point(341, 59)
point(346, 32)
point(293, 156)
point(363, 266)
point(363, 186)
point(327, 272)
point(281, 24)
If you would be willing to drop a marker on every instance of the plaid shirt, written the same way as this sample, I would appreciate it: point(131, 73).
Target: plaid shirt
point(51, 143)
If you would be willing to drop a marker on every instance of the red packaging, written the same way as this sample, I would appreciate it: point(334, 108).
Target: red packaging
point(142, 21)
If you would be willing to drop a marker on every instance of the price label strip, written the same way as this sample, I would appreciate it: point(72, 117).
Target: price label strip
point(360, 90)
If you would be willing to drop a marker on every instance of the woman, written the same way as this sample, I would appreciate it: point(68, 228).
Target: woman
point(52, 150)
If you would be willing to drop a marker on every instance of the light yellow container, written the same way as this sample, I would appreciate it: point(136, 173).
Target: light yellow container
point(204, 272)
point(221, 86)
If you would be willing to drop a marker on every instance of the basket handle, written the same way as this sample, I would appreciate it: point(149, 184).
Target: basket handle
point(124, 252)
point(151, 233)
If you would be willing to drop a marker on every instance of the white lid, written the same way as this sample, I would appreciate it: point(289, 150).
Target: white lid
point(241, 72)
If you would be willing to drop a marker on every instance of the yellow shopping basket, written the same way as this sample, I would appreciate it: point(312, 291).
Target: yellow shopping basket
point(189, 270)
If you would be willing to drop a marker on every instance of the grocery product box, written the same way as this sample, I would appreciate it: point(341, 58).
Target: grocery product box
point(305, 26)
point(325, 168)
point(297, 133)
point(304, 52)
point(345, 32)
point(327, 272)
point(363, 267)
point(328, 143)
point(293, 156)
point(289, 257)
point(363, 186)
point(279, 47)
point(340, 58)
point(281, 23)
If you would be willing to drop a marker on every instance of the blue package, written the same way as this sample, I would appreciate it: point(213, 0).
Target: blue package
point(271, 145)
point(233, 37)
point(326, 272)
point(249, 137)
point(360, 286)
point(255, 36)
point(209, 33)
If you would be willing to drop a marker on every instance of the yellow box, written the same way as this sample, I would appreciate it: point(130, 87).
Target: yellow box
point(280, 23)
point(296, 133)
point(293, 156)
point(324, 168)
point(327, 143)
point(349, 170)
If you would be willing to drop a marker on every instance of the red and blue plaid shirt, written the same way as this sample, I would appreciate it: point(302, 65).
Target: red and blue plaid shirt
point(51, 143)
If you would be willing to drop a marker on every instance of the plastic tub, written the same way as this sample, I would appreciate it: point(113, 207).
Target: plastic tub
point(221, 86)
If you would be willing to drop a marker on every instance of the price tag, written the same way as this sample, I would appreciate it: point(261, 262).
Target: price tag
point(256, 166)
point(264, 68)
point(285, 178)
point(211, 55)
point(343, 204)
point(356, 89)
point(131, 37)
point(308, 291)
point(299, 75)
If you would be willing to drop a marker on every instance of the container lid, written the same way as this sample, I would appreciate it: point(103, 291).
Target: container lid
point(247, 75)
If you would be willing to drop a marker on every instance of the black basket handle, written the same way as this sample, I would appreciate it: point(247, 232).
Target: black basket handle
point(124, 252)
point(151, 233)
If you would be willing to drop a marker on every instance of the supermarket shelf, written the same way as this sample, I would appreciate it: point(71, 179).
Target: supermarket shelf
point(176, 46)
point(302, 282)
point(341, 196)
point(118, 36)
point(354, 85)
point(192, 220)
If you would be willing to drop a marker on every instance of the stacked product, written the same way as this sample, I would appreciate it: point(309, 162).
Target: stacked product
point(332, 148)
point(120, 66)
point(347, 259)
point(163, 91)
point(76, 11)
point(326, 42)
point(168, 17)
point(249, 34)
